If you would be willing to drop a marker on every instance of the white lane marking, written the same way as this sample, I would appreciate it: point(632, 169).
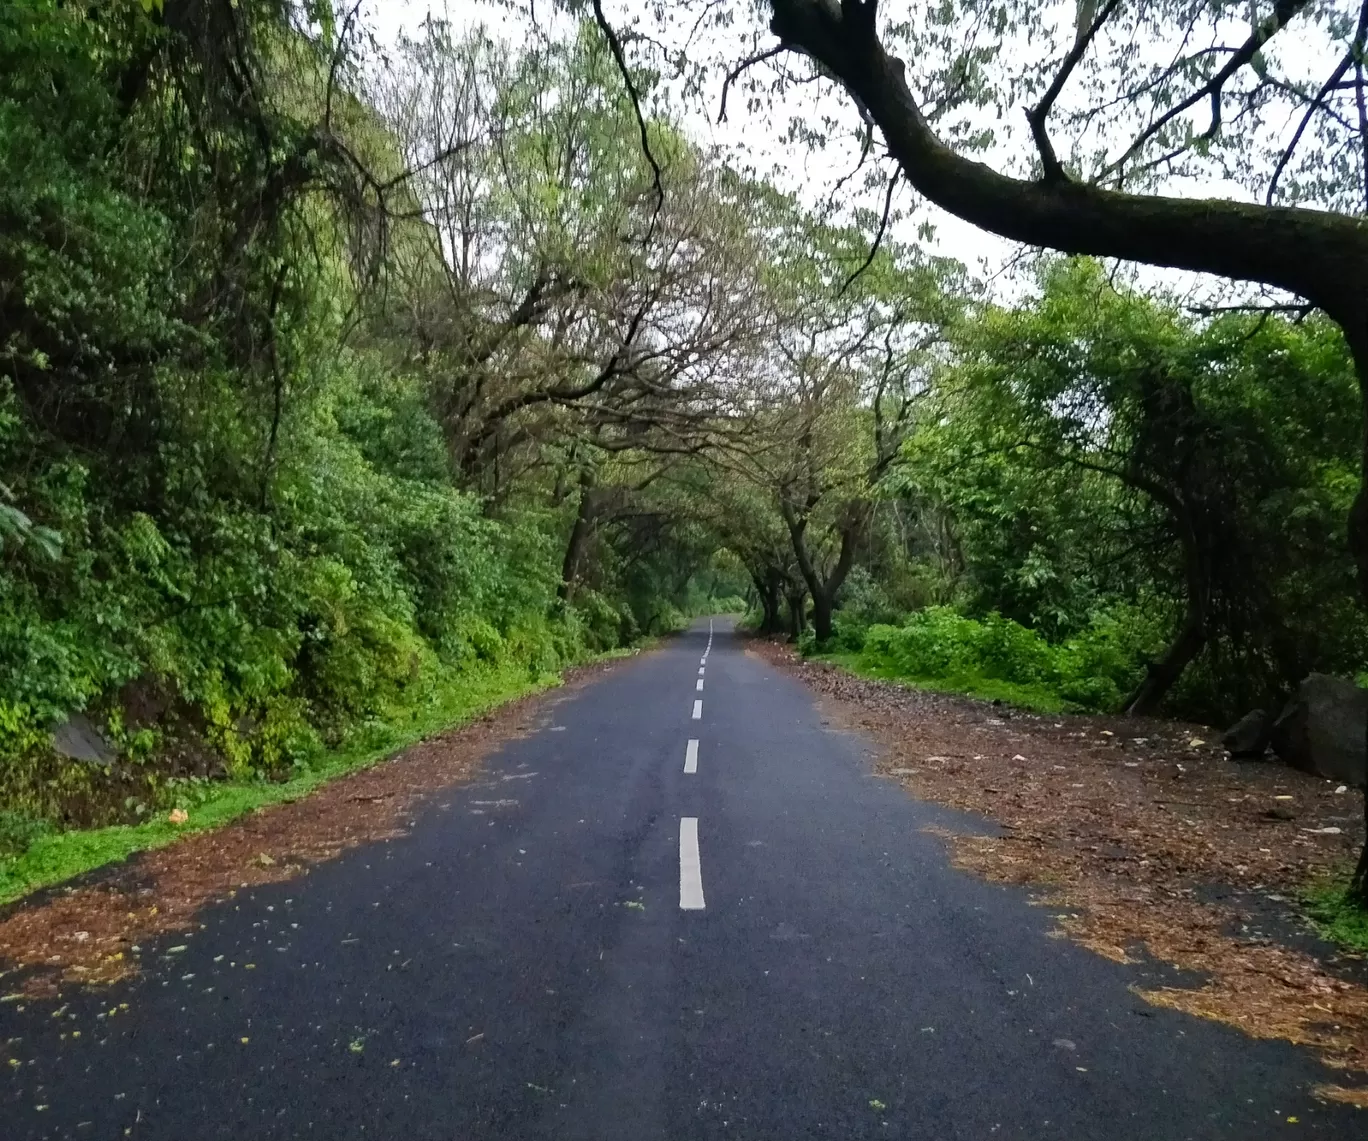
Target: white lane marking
point(691, 757)
point(698, 710)
point(699, 687)
point(703, 661)
point(700, 671)
point(690, 870)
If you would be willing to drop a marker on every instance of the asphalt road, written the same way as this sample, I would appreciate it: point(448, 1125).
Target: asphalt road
point(547, 955)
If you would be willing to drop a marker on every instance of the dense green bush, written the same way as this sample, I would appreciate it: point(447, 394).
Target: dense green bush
point(1000, 657)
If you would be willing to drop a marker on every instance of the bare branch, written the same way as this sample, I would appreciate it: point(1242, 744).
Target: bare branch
point(735, 74)
point(1037, 115)
point(1331, 84)
point(878, 237)
point(1283, 12)
point(615, 46)
point(339, 50)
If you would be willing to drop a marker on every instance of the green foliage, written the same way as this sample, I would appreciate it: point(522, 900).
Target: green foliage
point(1337, 917)
point(1095, 452)
point(33, 854)
point(995, 655)
point(231, 530)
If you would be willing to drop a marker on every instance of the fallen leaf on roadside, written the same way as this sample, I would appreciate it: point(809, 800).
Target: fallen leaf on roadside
point(1119, 854)
point(1358, 1097)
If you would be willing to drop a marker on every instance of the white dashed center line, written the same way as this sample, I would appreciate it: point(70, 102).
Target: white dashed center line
point(690, 870)
point(699, 687)
point(691, 757)
point(698, 710)
point(700, 671)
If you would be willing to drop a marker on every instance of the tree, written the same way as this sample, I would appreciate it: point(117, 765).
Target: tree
point(1098, 444)
point(546, 287)
point(849, 356)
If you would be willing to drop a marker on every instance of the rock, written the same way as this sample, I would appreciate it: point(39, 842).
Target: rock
point(1249, 736)
point(1322, 729)
point(77, 738)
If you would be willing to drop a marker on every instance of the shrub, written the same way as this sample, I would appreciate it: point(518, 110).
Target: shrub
point(1092, 671)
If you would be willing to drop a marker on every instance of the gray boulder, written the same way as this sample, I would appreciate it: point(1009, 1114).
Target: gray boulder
point(1249, 736)
point(77, 738)
point(1322, 730)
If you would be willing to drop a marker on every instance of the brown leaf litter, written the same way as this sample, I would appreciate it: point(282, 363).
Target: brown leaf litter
point(1116, 824)
point(86, 933)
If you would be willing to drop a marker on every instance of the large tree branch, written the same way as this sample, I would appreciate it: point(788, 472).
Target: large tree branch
point(1316, 254)
point(620, 58)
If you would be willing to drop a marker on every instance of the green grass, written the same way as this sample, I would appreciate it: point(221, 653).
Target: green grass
point(1035, 699)
point(1335, 918)
point(55, 857)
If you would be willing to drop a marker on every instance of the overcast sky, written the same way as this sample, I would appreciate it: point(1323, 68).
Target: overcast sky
point(757, 135)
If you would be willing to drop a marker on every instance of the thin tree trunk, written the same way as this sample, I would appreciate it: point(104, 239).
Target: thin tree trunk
point(579, 532)
point(1358, 886)
point(1356, 332)
point(1160, 676)
point(797, 600)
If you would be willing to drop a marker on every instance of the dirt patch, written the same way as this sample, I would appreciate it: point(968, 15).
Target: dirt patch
point(87, 933)
point(1118, 824)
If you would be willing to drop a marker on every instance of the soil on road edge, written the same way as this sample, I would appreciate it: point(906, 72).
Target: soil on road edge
point(1123, 826)
point(89, 932)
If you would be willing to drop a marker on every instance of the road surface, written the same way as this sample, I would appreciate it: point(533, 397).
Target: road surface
point(684, 909)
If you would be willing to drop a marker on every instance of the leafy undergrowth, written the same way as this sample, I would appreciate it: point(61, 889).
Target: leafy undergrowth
point(995, 658)
point(1120, 826)
point(54, 857)
point(1035, 698)
point(1337, 918)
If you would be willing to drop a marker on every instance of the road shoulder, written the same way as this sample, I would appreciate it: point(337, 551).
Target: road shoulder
point(1144, 840)
point(88, 931)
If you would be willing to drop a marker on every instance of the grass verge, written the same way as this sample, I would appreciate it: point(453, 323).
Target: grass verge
point(1335, 918)
point(1325, 904)
point(1036, 699)
point(53, 858)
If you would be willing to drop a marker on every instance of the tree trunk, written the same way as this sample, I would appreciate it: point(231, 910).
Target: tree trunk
point(1355, 328)
point(579, 533)
point(824, 592)
point(797, 600)
point(1161, 675)
point(769, 602)
point(1358, 886)
point(821, 616)
point(767, 590)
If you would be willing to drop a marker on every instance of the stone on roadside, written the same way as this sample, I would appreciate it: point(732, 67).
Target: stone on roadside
point(1249, 736)
point(78, 739)
point(1322, 729)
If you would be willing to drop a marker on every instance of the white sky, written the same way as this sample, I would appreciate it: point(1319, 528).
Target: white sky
point(794, 167)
